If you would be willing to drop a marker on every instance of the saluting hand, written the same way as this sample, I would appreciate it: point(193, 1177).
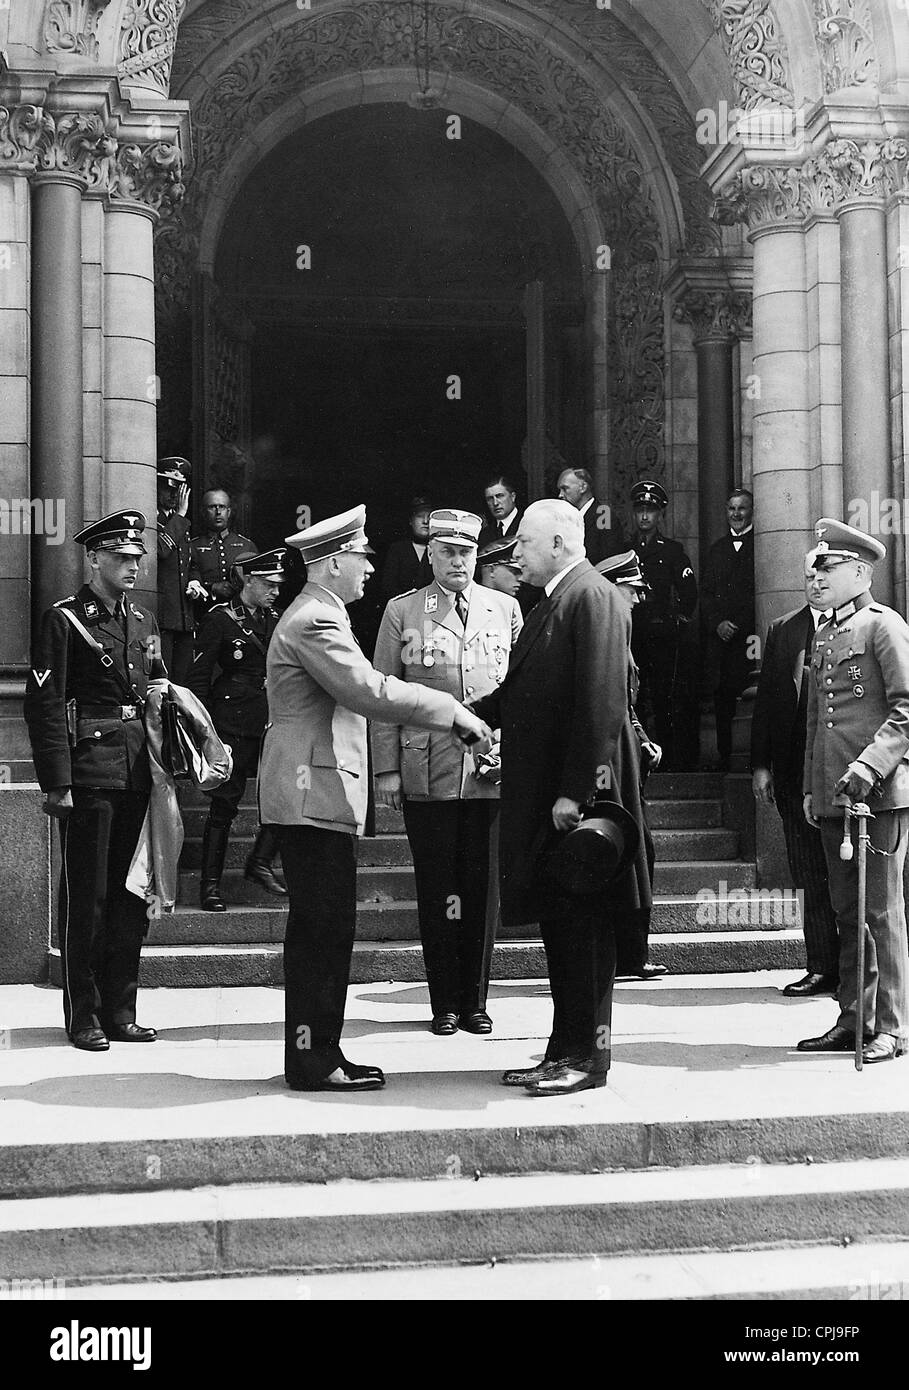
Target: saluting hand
point(183, 498)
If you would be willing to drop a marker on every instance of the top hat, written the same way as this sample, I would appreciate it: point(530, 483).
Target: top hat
point(120, 532)
point(343, 534)
point(837, 543)
point(590, 857)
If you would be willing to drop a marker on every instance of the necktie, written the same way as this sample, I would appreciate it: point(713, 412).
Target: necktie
point(461, 608)
point(501, 528)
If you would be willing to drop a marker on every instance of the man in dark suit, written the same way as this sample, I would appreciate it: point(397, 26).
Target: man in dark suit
point(562, 710)
point(777, 762)
point(601, 537)
point(727, 614)
point(407, 564)
point(502, 505)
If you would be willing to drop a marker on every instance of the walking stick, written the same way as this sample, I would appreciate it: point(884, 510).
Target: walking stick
point(862, 813)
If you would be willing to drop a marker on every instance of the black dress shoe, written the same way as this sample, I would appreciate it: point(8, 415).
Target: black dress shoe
point(836, 1039)
point(567, 1078)
point(812, 983)
point(90, 1040)
point(884, 1047)
point(520, 1076)
point(265, 876)
point(210, 899)
point(444, 1025)
point(643, 972)
point(478, 1021)
point(348, 1078)
point(130, 1032)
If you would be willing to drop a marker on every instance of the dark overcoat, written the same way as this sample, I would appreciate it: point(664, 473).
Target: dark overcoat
point(566, 731)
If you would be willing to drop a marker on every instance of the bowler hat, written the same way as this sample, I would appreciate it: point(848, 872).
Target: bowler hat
point(590, 857)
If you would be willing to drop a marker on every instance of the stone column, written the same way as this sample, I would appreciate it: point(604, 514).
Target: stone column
point(15, 375)
point(596, 330)
point(867, 478)
point(897, 185)
point(56, 461)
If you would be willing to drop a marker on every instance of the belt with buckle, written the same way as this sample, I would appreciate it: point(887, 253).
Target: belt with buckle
point(124, 712)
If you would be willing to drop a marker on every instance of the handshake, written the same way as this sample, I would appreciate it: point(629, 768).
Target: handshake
point(472, 731)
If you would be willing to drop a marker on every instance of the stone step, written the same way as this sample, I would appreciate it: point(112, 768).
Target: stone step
point(258, 1227)
point(663, 814)
point(866, 1271)
point(389, 850)
point(260, 963)
point(680, 877)
point(398, 921)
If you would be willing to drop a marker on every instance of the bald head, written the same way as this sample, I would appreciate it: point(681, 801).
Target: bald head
point(551, 536)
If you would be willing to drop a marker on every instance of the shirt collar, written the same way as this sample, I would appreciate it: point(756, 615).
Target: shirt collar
point(506, 520)
point(557, 578)
point(453, 593)
point(740, 535)
point(587, 505)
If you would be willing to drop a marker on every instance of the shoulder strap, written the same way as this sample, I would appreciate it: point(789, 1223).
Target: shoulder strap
point(251, 635)
point(106, 661)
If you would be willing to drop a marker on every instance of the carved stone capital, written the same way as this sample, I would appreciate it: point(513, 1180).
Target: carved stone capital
point(896, 166)
point(22, 130)
point(71, 26)
point(715, 313)
point(148, 37)
point(858, 169)
point(763, 196)
point(149, 174)
point(77, 143)
point(846, 43)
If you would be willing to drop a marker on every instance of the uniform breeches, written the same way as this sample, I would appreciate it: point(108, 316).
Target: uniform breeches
point(886, 996)
point(225, 801)
point(580, 957)
point(808, 864)
point(101, 925)
point(320, 869)
point(451, 846)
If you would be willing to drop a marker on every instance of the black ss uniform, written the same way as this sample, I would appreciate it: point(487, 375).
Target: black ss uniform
point(664, 650)
point(175, 610)
point(234, 640)
point(83, 709)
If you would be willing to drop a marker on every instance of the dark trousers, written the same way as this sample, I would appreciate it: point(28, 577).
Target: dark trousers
point(101, 926)
point(177, 653)
point(632, 926)
point(224, 802)
point(580, 958)
point(320, 869)
point(451, 846)
point(886, 994)
point(808, 865)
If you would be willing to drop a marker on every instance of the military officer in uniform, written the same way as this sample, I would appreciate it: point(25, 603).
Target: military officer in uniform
point(232, 642)
point(313, 784)
point(176, 587)
point(95, 655)
point(856, 747)
point(452, 635)
point(497, 569)
point(660, 642)
point(217, 549)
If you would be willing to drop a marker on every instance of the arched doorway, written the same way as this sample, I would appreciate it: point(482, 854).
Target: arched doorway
point(375, 272)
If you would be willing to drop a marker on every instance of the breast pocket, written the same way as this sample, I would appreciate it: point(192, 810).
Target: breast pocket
point(415, 762)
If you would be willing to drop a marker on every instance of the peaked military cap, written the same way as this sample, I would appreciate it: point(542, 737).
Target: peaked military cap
point(623, 569)
point(343, 534)
point(499, 552)
point(120, 531)
point(268, 564)
point(649, 494)
point(450, 524)
point(419, 504)
point(175, 468)
point(837, 543)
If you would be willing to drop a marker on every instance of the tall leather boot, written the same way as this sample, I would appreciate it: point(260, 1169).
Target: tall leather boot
point(260, 867)
point(214, 848)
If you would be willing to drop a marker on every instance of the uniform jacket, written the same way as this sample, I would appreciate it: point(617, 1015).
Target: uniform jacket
point(228, 670)
point(110, 752)
point(211, 559)
point(562, 709)
point(175, 610)
point(321, 690)
point(667, 569)
point(779, 718)
point(402, 570)
point(858, 707)
point(421, 639)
